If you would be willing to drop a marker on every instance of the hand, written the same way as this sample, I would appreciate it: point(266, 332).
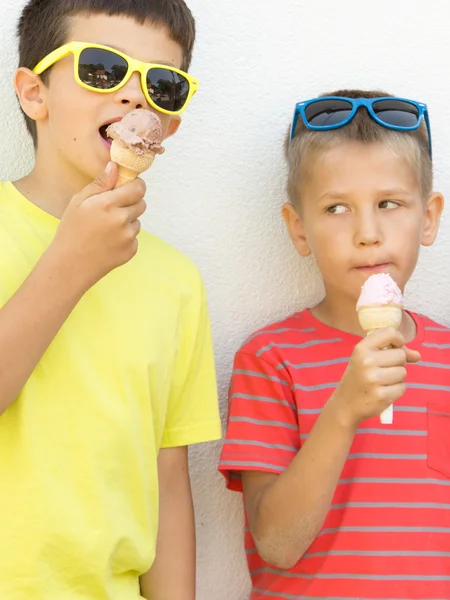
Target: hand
point(374, 378)
point(98, 230)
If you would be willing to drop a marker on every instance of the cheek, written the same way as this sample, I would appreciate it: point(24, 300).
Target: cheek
point(165, 122)
point(329, 238)
point(407, 232)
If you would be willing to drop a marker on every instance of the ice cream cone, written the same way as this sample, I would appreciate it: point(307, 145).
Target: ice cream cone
point(130, 164)
point(372, 318)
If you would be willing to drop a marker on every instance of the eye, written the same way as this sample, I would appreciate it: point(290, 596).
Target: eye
point(336, 209)
point(389, 204)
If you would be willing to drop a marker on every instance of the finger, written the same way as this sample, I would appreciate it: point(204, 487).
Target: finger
point(390, 357)
point(135, 227)
point(385, 337)
point(136, 210)
point(391, 375)
point(127, 194)
point(390, 393)
point(103, 183)
point(412, 356)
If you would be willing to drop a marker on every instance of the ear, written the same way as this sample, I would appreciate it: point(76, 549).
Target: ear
point(174, 125)
point(30, 91)
point(433, 212)
point(295, 229)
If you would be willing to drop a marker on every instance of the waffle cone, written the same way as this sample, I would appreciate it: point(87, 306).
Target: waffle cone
point(130, 164)
point(372, 318)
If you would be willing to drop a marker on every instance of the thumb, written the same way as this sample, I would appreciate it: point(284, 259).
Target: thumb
point(412, 356)
point(104, 182)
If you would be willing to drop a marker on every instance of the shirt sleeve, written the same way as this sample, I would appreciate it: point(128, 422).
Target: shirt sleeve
point(262, 432)
point(193, 411)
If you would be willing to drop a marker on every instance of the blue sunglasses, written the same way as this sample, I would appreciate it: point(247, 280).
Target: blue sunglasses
point(331, 112)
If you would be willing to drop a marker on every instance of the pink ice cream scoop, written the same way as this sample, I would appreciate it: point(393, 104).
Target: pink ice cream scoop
point(136, 140)
point(379, 290)
point(140, 130)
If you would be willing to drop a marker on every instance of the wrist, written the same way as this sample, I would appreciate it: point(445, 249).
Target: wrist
point(341, 414)
point(64, 272)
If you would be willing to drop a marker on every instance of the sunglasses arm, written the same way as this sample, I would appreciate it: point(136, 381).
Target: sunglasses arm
point(52, 58)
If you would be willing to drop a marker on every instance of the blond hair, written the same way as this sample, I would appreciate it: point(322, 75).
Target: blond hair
point(307, 146)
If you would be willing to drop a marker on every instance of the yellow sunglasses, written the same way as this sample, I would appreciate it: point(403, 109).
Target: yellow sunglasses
point(103, 69)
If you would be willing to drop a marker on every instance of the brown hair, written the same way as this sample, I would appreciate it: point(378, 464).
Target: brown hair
point(308, 145)
point(44, 25)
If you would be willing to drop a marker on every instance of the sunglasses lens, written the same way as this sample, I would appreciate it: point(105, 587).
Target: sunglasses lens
point(167, 89)
point(101, 69)
point(325, 113)
point(397, 113)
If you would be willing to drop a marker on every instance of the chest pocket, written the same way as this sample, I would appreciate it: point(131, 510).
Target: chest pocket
point(438, 445)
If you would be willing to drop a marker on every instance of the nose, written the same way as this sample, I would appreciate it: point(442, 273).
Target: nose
point(131, 93)
point(367, 229)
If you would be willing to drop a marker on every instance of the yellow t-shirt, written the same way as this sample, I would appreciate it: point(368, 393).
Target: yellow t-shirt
point(130, 372)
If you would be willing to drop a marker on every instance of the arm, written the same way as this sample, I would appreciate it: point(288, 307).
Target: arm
point(172, 576)
point(30, 321)
point(97, 233)
point(284, 518)
point(286, 511)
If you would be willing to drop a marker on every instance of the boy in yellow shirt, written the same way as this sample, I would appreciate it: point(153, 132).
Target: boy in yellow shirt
point(106, 362)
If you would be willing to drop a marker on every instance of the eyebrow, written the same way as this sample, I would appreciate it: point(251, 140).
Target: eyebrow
point(395, 192)
point(388, 192)
point(156, 62)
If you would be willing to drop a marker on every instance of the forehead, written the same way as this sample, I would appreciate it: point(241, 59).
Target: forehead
point(353, 168)
point(145, 41)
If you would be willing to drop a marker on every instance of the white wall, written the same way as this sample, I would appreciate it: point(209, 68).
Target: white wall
point(217, 192)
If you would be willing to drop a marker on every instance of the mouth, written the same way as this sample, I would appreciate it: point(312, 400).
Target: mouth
point(376, 268)
point(102, 130)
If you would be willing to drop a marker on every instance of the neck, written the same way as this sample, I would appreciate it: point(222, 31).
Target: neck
point(339, 312)
point(51, 184)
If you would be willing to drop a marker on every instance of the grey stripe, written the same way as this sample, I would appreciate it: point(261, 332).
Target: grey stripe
point(325, 363)
point(445, 329)
point(352, 576)
point(405, 409)
point(309, 411)
point(298, 346)
point(261, 445)
point(428, 386)
point(262, 422)
point(315, 388)
point(296, 597)
point(386, 431)
point(370, 553)
point(398, 481)
point(439, 413)
point(406, 432)
point(385, 530)
point(387, 456)
point(284, 330)
point(260, 375)
point(433, 365)
point(405, 505)
point(264, 399)
point(286, 596)
point(387, 553)
point(242, 463)
point(438, 346)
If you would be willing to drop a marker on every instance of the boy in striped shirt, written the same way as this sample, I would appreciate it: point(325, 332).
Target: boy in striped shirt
point(337, 505)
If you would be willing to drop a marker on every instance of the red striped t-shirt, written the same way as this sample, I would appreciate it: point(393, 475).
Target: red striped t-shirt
point(387, 533)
